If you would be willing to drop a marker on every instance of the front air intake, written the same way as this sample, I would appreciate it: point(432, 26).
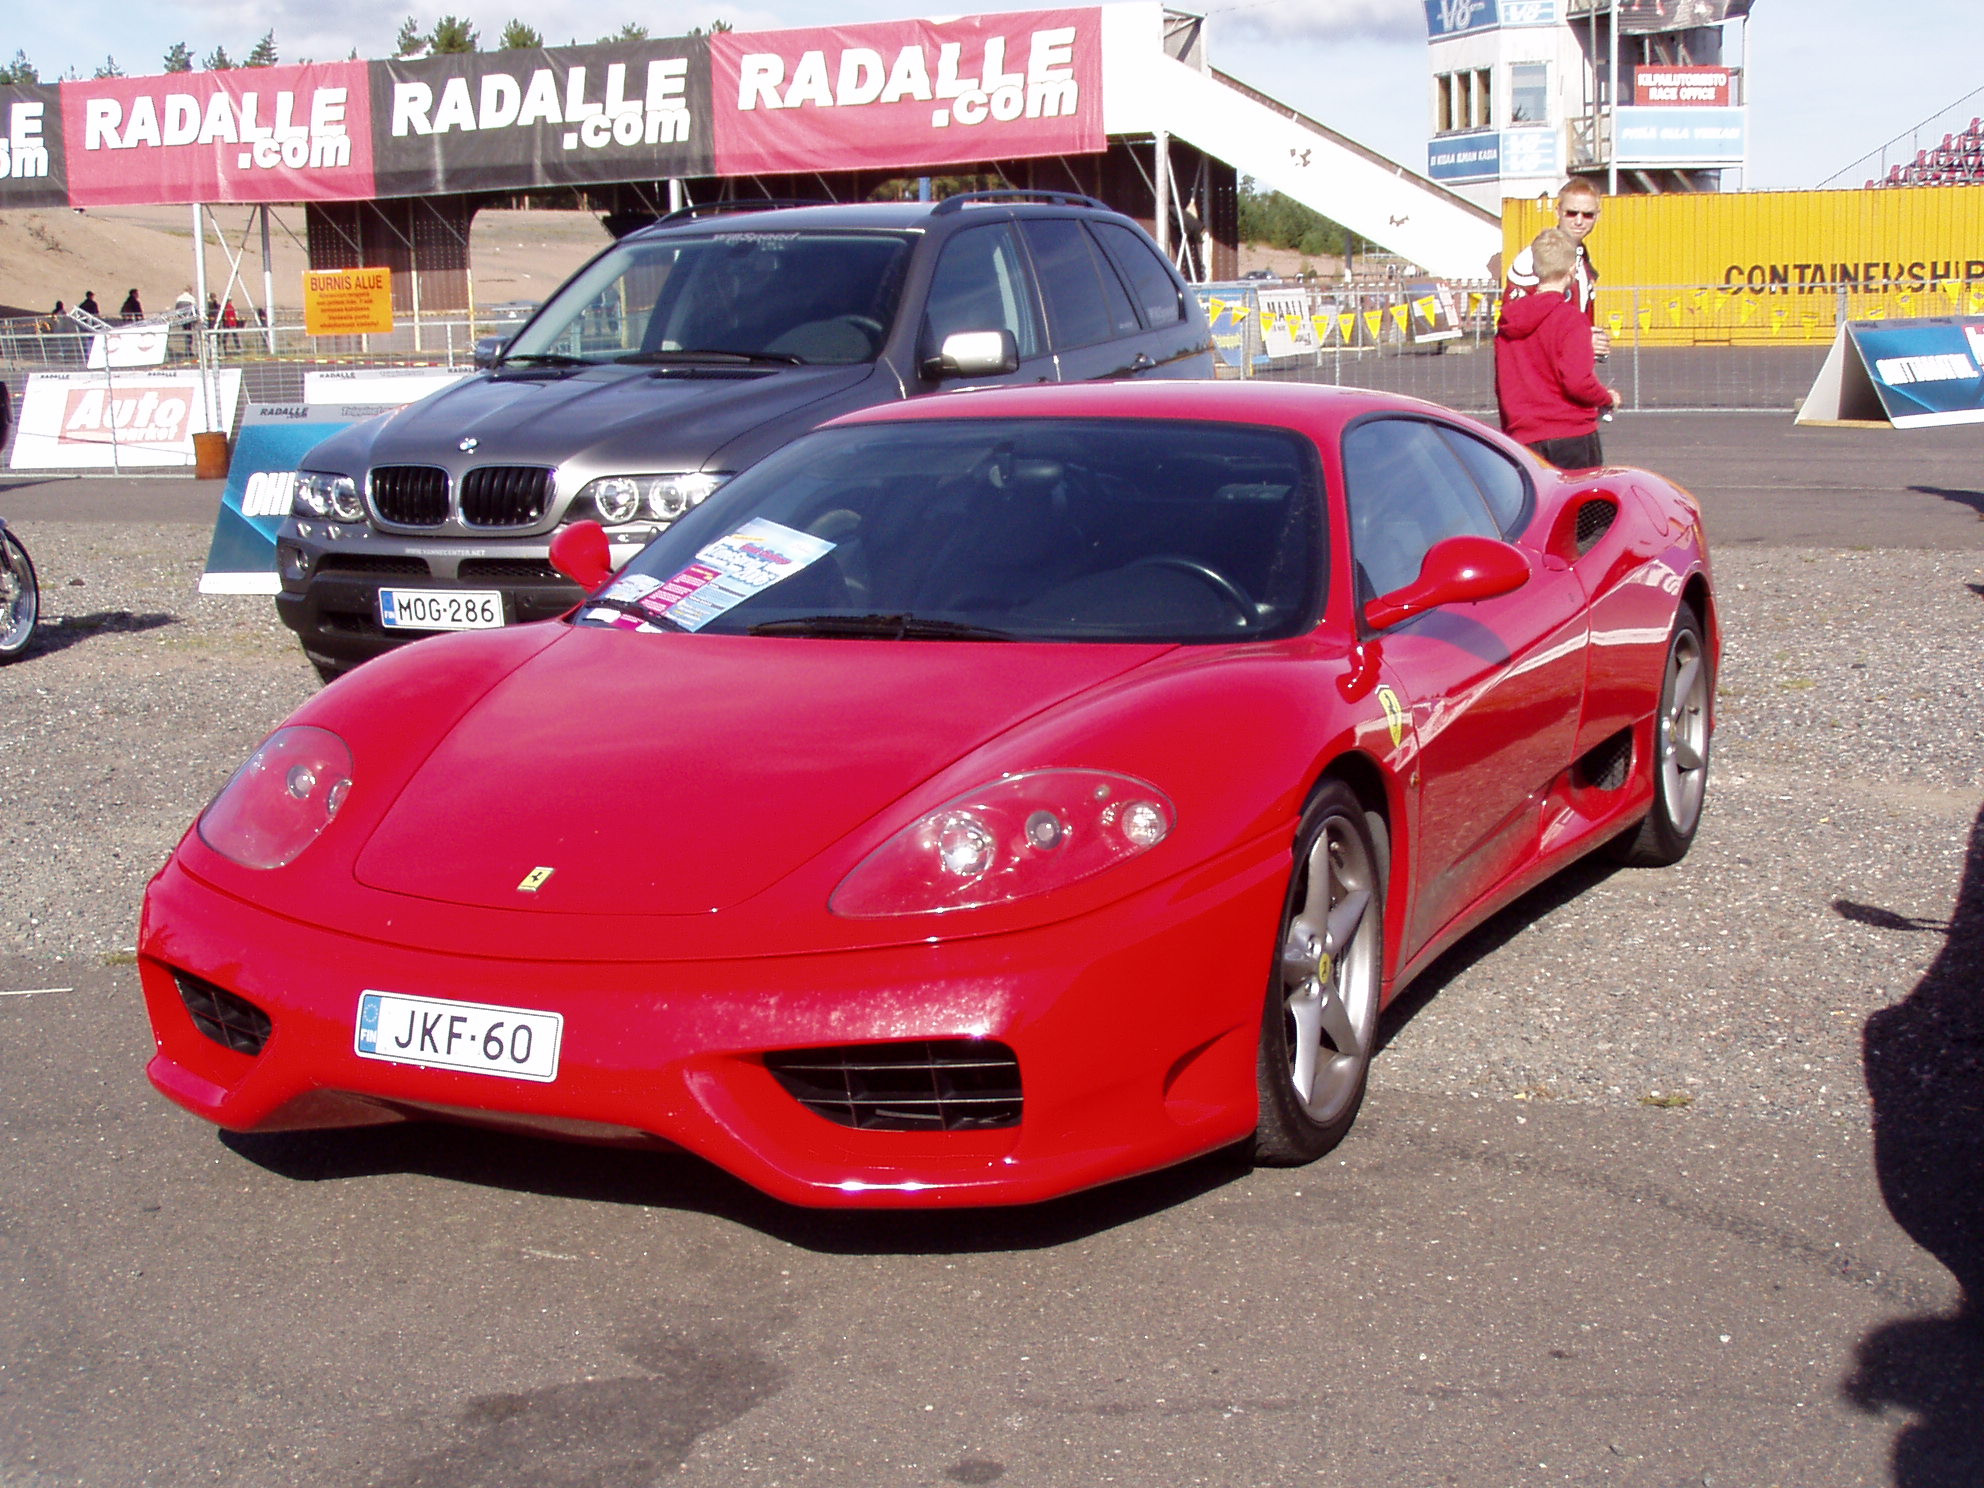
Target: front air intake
point(223, 1016)
point(939, 1085)
point(410, 495)
point(505, 495)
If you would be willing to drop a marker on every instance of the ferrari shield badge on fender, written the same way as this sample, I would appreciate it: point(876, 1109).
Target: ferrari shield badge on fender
point(1394, 715)
point(535, 880)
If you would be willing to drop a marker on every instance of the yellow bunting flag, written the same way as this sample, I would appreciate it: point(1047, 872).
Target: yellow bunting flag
point(1215, 307)
point(1400, 316)
point(1374, 321)
point(1348, 323)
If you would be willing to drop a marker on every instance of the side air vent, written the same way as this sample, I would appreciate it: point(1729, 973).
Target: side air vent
point(1604, 765)
point(943, 1085)
point(1595, 519)
point(410, 495)
point(505, 495)
point(223, 1016)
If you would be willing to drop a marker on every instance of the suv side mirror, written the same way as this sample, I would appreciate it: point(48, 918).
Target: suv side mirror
point(1455, 571)
point(487, 350)
point(974, 354)
point(582, 554)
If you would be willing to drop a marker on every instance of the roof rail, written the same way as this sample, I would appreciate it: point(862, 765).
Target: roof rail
point(742, 204)
point(1052, 198)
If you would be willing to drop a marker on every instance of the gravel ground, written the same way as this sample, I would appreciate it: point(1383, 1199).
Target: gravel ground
point(1849, 770)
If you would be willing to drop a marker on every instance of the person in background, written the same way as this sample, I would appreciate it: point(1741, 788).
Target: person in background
point(213, 312)
point(131, 309)
point(87, 304)
point(230, 320)
point(1546, 383)
point(186, 310)
point(1578, 206)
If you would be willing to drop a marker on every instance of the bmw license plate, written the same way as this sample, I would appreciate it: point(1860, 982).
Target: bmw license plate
point(516, 1043)
point(440, 609)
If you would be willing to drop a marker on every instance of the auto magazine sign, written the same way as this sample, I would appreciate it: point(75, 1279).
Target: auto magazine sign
point(252, 134)
point(92, 420)
point(490, 120)
point(908, 94)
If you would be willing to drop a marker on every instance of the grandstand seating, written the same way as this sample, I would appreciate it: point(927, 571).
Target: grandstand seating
point(1958, 161)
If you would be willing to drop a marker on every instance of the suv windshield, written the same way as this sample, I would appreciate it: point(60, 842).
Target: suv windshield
point(995, 529)
point(799, 297)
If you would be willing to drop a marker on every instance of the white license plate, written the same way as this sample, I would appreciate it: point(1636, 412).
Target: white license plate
point(440, 609)
point(515, 1043)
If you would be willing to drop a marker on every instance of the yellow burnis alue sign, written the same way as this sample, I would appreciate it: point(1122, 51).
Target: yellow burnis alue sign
point(347, 302)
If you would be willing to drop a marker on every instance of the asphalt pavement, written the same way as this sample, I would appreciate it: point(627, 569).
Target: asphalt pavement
point(1666, 1178)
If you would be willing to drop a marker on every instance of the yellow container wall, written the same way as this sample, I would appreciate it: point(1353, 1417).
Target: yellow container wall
point(1769, 267)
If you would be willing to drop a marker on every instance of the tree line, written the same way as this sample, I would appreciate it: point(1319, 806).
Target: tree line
point(1279, 221)
point(451, 33)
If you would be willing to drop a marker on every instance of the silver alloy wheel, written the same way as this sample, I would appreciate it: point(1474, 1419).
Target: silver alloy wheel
point(1329, 973)
point(1683, 733)
point(20, 599)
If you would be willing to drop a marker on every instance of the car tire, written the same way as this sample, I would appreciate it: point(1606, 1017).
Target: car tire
point(1320, 1020)
point(1678, 759)
point(20, 598)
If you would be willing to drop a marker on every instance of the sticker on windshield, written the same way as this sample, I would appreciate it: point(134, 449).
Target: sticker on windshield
point(725, 574)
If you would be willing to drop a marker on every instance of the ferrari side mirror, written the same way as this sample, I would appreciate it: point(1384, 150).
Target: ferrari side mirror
point(581, 553)
point(1456, 570)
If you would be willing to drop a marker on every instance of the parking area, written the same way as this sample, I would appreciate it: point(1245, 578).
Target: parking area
point(1666, 1176)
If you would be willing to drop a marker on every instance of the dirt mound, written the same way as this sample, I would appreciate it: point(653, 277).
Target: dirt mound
point(59, 254)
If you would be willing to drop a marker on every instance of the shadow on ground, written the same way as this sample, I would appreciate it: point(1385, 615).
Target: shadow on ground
point(1924, 1061)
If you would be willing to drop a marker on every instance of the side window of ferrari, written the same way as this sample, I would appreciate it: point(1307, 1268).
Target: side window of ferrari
point(1407, 490)
point(1503, 486)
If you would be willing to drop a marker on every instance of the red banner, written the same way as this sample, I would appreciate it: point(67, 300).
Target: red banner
point(1681, 87)
point(248, 135)
point(908, 94)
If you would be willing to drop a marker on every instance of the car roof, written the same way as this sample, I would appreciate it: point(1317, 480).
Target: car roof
point(1310, 407)
point(896, 215)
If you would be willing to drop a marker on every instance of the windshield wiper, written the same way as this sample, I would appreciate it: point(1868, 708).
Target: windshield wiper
point(742, 358)
point(879, 627)
point(629, 607)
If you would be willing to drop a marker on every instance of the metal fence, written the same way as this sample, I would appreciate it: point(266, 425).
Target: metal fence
point(1683, 348)
point(1692, 348)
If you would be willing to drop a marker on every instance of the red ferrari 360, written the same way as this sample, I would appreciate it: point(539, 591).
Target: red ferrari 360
point(983, 798)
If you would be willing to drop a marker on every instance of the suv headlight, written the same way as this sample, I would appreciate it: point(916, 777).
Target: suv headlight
point(333, 497)
point(619, 499)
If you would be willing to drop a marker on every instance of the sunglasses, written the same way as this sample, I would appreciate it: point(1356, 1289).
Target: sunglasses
point(1573, 212)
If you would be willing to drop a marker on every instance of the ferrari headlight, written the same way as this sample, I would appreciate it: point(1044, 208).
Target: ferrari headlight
point(619, 499)
point(332, 497)
point(276, 804)
point(1023, 835)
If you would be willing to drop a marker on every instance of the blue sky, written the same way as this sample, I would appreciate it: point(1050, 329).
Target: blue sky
point(1829, 81)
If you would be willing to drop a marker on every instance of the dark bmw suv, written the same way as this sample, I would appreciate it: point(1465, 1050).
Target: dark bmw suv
point(680, 355)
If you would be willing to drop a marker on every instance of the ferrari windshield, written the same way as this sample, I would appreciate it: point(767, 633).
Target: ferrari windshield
point(773, 297)
point(996, 529)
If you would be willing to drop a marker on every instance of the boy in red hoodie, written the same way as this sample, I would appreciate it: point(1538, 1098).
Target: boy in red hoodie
point(1545, 378)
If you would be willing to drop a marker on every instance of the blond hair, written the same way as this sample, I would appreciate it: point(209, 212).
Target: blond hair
point(1578, 186)
point(1553, 255)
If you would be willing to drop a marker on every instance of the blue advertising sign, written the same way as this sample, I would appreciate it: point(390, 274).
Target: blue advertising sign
point(1909, 373)
point(1680, 136)
point(260, 477)
point(1464, 157)
point(1482, 157)
point(1458, 17)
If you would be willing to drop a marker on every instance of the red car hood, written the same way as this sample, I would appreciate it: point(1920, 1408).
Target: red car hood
point(682, 774)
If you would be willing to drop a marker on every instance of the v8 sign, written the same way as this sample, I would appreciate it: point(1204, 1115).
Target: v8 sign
point(902, 95)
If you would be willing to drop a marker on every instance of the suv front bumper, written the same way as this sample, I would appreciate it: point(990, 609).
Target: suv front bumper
point(331, 582)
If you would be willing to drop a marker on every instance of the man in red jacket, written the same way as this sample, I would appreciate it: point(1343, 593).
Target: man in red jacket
point(1546, 382)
